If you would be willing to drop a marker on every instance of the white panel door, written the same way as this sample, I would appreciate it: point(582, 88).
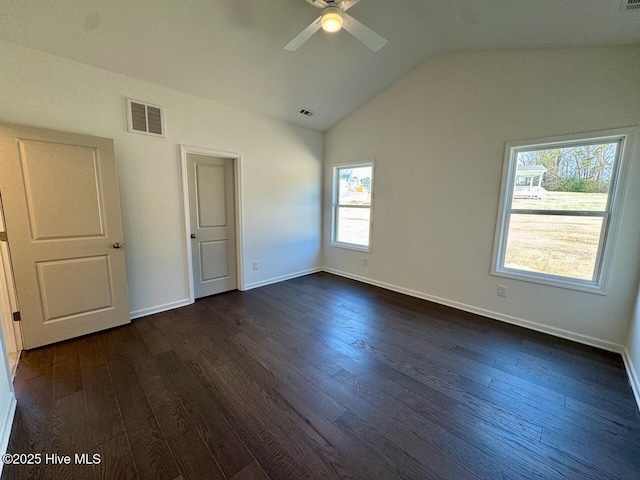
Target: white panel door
point(213, 227)
point(62, 213)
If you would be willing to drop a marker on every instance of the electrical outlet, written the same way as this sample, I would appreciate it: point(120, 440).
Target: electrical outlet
point(256, 265)
point(502, 290)
point(365, 262)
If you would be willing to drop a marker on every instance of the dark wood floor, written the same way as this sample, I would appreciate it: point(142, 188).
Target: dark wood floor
point(322, 377)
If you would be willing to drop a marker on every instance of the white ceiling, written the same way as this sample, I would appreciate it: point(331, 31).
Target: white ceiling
point(231, 50)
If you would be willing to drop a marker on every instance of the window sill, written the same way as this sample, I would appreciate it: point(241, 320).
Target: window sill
point(350, 246)
point(550, 281)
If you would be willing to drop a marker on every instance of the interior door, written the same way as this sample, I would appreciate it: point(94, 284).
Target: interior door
point(62, 214)
point(213, 228)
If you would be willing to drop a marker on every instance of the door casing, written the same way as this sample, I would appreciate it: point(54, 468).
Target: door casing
point(237, 170)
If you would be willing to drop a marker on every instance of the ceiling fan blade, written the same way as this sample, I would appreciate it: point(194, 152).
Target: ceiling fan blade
point(318, 3)
point(303, 36)
point(347, 4)
point(367, 36)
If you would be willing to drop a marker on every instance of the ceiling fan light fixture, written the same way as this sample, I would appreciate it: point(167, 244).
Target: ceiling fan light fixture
point(331, 19)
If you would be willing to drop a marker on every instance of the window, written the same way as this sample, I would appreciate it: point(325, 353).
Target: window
point(351, 207)
point(559, 202)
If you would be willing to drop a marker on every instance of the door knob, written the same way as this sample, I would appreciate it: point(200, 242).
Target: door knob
point(193, 235)
point(118, 245)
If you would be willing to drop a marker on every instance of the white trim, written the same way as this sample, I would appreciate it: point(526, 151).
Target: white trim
point(548, 279)
point(160, 308)
point(634, 380)
point(186, 225)
point(626, 138)
point(334, 204)
point(7, 424)
point(557, 332)
point(282, 278)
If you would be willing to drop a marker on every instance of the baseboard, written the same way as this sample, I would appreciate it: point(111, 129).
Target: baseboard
point(159, 308)
point(634, 380)
point(558, 332)
point(282, 278)
point(7, 423)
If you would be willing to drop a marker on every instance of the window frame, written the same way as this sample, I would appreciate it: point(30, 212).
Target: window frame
point(625, 137)
point(335, 193)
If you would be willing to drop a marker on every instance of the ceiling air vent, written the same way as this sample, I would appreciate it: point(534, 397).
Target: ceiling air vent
point(630, 4)
point(145, 118)
point(307, 113)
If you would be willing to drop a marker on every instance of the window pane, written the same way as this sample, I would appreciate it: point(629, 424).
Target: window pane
point(570, 178)
point(554, 244)
point(355, 186)
point(353, 226)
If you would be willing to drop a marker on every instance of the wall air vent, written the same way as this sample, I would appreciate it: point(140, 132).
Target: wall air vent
point(630, 5)
point(145, 118)
point(307, 113)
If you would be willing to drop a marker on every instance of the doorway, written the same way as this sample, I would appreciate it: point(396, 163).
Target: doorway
point(213, 225)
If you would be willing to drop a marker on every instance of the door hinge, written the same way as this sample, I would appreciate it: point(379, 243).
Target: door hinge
point(3, 237)
point(16, 316)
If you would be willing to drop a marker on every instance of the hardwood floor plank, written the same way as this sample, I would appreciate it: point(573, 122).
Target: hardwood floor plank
point(194, 458)
point(36, 362)
point(155, 341)
point(622, 417)
point(160, 391)
point(142, 324)
point(594, 395)
point(186, 345)
point(296, 435)
point(151, 453)
point(116, 460)
point(614, 461)
point(276, 461)
point(66, 369)
point(69, 436)
point(438, 458)
point(501, 441)
point(104, 420)
point(223, 443)
point(33, 421)
point(553, 415)
point(246, 323)
point(253, 471)
point(293, 382)
point(404, 465)
point(368, 392)
point(338, 391)
point(447, 444)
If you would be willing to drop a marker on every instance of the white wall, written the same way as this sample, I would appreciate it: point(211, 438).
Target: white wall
point(438, 137)
point(282, 168)
point(632, 354)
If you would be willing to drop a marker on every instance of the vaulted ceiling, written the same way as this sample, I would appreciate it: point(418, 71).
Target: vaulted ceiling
point(231, 50)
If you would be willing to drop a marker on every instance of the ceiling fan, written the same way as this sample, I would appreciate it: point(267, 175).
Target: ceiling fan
point(333, 19)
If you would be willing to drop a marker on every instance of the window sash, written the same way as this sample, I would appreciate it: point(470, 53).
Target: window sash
point(562, 278)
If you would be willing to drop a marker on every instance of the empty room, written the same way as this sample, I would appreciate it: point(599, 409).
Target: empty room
point(315, 239)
